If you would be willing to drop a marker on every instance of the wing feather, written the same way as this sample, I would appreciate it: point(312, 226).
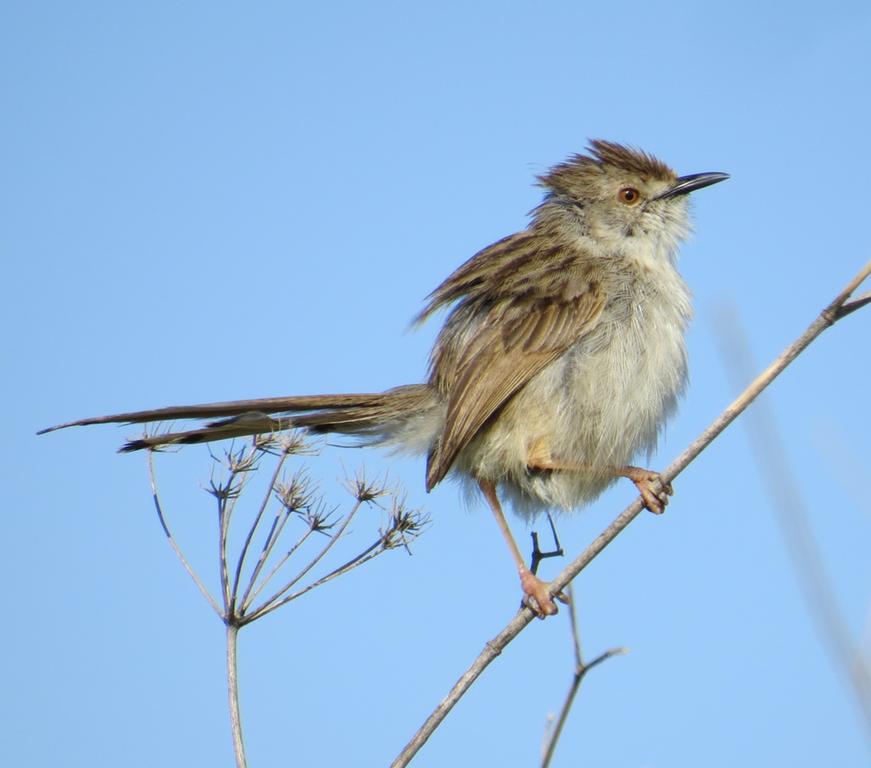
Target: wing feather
point(519, 339)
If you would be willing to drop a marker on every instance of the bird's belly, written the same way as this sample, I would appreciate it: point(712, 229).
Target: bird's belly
point(596, 407)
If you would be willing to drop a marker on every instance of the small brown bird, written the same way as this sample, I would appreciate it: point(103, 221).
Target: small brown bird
point(562, 356)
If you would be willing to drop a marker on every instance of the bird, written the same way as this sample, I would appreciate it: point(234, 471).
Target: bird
point(561, 356)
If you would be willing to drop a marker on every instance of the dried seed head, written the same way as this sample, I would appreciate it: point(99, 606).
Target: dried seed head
point(297, 494)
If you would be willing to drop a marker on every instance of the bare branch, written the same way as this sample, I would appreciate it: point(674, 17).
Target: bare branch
point(852, 306)
point(580, 672)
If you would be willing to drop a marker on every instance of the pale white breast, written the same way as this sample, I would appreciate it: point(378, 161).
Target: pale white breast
point(602, 403)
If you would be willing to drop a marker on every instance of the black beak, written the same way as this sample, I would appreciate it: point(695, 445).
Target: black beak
point(686, 184)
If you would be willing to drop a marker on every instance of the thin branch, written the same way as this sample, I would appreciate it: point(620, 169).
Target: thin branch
point(581, 670)
point(576, 633)
point(851, 287)
point(172, 542)
point(828, 317)
point(852, 306)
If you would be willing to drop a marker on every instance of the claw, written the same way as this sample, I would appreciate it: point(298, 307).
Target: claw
point(645, 480)
point(538, 595)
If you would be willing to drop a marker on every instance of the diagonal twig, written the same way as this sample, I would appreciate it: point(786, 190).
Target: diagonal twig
point(581, 669)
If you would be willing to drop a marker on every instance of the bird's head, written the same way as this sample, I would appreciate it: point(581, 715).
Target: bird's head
point(616, 192)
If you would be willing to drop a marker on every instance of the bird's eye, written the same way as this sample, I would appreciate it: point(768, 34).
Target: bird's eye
point(629, 195)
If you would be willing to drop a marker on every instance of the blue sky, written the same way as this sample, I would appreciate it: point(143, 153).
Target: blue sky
point(208, 201)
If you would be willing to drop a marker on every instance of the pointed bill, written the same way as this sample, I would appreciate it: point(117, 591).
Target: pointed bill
point(683, 185)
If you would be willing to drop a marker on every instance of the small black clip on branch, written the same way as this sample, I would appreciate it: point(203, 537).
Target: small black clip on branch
point(537, 554)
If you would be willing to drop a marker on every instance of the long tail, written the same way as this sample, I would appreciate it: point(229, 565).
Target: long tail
point(372, 415)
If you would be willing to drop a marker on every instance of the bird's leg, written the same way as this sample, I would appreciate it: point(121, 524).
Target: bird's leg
point(536, 590)
point(653, 491)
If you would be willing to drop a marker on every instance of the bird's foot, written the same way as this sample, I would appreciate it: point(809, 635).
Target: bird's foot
point(537, 595)
point(653, 491)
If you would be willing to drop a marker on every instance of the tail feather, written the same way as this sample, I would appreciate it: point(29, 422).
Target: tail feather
point(231, 408)
point(353, 414)
point(238, 426)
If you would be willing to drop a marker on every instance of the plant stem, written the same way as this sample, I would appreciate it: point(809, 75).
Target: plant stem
point(233, 692)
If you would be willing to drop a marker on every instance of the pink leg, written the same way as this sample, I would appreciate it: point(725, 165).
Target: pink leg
point(536, 590)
